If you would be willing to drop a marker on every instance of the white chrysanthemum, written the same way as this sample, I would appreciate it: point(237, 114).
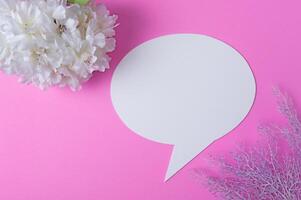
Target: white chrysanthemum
point(50, 43)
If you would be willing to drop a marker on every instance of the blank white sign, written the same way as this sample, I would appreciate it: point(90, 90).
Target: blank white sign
point(185, 89)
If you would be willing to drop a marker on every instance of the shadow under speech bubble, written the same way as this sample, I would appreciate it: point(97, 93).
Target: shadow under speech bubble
point(183, 89)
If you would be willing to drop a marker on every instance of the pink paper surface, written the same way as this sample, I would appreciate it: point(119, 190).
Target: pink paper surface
point(60, 145)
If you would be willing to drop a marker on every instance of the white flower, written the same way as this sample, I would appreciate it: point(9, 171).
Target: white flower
point(50, 43)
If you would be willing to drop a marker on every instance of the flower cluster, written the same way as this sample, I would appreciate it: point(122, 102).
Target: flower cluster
point(269, 170)
point(52, 42)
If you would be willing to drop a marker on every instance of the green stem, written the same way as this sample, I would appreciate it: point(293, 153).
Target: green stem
point(80, 2)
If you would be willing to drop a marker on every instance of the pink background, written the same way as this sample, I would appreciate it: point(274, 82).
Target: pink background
point(60, 145)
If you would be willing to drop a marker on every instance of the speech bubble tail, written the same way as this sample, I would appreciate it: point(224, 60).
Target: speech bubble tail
point(181, 156)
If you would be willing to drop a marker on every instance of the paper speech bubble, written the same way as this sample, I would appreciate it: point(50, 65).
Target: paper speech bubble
point(184, 89)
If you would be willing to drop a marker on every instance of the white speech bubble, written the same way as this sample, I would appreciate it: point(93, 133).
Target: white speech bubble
point(184, 89)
